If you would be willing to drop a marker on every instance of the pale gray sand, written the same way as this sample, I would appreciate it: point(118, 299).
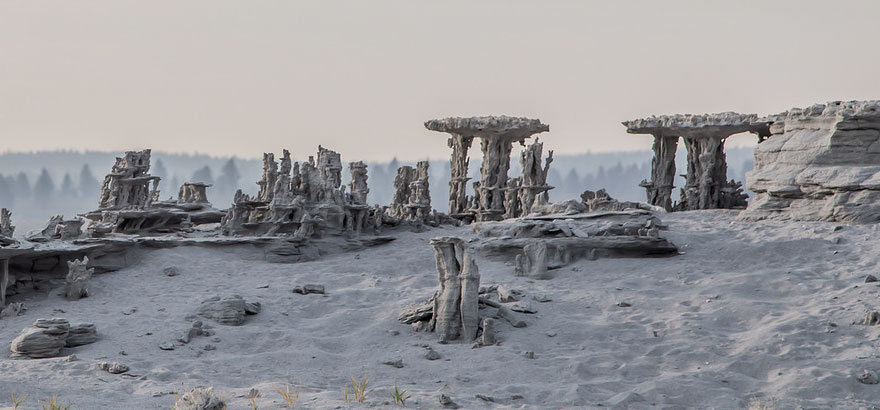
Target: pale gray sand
point(744, 313)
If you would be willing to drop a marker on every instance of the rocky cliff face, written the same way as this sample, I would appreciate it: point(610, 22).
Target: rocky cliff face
point(820, 163)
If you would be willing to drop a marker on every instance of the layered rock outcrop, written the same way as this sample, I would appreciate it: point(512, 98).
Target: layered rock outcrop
point(46, 337)
point(820, 163)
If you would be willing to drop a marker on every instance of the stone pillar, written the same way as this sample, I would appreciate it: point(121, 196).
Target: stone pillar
point(456, 302)
point(534, 178)
point(330, 167)
point(402, 191)
point(6, 227)
point(270, 175)
point(419, 206)
point(493, 173)
point(358, 185)
point(512, 208)
point(659, 189)
point(706, 173)
point(458, 168)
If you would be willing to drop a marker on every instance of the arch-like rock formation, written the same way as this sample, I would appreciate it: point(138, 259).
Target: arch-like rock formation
point(497, 135)
point(704, 135)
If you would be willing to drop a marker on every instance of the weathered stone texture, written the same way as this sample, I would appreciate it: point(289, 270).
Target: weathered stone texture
point(821, 163)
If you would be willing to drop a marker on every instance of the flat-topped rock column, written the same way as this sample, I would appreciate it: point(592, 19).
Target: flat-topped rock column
point(706, 184)
point(497, 135)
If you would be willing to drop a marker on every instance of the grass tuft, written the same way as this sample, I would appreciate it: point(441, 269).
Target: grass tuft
point(54, 403)
point(290, 394)
point(16, 401)
point(358, 391)
point(400, 397)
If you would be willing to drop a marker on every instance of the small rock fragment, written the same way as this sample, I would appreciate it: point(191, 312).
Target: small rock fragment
point(872, 318)
point(623, 304)
point(542, 298)
point(870, 279)
point(13, 310)
point(523, 308)
point(252, 308)
point(197, 329)
point(309, 288)
point(447, 402)
point(529, 355)
point(869, 377)
point(167, 346)
point(209, 347)
point(507, 295)
point(489, 399)
point(394, 363)
point(171, 271)
point(200, 399)
point(113, 367)
point(432, 355)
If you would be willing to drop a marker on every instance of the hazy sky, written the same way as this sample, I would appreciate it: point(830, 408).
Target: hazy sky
point(244, 77)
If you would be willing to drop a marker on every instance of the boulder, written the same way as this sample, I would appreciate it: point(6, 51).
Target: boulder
point(230, 310)
point(81, 334)
point(45, 338)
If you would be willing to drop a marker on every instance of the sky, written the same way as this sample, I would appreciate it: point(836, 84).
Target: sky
point(246, 77)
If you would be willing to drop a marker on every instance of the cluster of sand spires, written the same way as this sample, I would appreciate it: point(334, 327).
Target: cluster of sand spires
point(814, 164)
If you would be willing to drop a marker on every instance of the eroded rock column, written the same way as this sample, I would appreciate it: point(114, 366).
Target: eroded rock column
point(358, 185)
point(534, 177)
point(458, 166)
point(456, 304)
point(6, 227)
point(659, 189)
point(493, 173)
point(706, 173)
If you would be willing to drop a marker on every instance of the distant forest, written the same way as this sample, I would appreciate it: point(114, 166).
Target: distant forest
point(38, 185)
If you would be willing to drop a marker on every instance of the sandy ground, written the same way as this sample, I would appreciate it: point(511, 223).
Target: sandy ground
point(766, 310)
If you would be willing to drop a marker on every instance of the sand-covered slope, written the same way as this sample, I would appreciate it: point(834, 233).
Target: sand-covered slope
point(751, 309)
